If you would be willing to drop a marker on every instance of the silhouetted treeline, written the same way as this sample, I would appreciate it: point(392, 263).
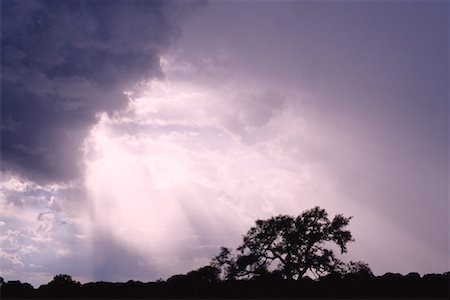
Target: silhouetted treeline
point(192, 285)
point(272, 262)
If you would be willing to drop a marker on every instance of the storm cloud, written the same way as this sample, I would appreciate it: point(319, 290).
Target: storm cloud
point(137, 141)
point(63, 62)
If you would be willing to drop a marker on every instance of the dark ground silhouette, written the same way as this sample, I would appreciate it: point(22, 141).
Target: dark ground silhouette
point(388, 286)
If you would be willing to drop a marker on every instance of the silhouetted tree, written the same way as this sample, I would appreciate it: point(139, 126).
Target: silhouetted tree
point(225, 262)
point(355, 270)
point(177, 278)
point(290, 245)
point(63, 281)
point(413, 276)
point(62, 286)
point(204, 274)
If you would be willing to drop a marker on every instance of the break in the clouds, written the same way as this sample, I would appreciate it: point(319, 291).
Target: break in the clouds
point(136, 141)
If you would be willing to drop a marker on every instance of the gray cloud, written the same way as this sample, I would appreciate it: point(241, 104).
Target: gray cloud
point(252, 111)
point(36, 249)
point(65, 61)
point(114, 261)
point(49, 233)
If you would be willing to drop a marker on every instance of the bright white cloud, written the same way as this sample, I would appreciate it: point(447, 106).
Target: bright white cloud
point(187, 169)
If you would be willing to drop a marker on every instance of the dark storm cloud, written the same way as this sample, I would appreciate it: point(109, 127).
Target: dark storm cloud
point(62, 63)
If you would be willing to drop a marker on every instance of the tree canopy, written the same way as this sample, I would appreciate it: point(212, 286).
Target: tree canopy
point(288, 247)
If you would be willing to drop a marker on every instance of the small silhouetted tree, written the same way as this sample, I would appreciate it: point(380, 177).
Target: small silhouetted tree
point(61, 286)
point(63, 280)
point(204, 274)
point(355, 270)
point(291, 246)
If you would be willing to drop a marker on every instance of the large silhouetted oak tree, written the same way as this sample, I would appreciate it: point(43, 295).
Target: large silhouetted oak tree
point(288, 247)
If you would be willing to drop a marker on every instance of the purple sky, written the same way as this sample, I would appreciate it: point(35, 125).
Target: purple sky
point(140, 136)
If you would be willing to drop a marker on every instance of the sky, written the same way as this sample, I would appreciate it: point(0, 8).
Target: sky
point(137, 137)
